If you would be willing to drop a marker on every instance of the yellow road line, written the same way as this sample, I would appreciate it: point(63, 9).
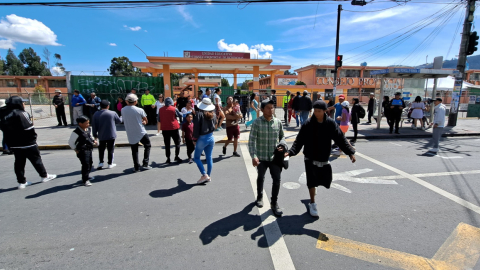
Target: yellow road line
point(461, 250)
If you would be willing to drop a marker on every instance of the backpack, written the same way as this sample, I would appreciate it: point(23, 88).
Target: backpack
point(361, 112)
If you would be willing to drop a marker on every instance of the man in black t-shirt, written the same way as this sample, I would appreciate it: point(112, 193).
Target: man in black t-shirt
point(396, 108)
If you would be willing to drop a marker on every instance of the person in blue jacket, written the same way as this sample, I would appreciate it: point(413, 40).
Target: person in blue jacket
point(77, 103)
point(93, 103)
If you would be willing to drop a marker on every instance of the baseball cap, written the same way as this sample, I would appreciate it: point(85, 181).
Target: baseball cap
point(341, 96)
point(345, 104)
point(131, 98)
point(398, 94)
point(320, 104)
point(104, 104)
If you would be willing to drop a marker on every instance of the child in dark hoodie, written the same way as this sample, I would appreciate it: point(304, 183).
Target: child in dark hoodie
point(82, 142)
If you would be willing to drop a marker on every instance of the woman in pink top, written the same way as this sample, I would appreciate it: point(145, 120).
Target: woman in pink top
point(120, 104)
point(345, 118)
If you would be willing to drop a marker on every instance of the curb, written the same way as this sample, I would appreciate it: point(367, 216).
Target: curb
point(374, 137)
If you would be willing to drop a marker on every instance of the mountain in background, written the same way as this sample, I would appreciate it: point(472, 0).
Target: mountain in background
point(473, 62)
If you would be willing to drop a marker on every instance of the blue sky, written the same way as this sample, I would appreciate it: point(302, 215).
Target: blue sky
point(291, 34)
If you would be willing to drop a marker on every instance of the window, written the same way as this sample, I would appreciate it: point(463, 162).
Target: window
point(29, 83)
point(475, 77)
point(8, 83)
point(321, 73)
point(353, 92)
point(324, 73)
point(57, 83)
point(350, 73)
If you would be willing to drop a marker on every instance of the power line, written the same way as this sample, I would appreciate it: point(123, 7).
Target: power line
point(429, 19)
point(118, 4)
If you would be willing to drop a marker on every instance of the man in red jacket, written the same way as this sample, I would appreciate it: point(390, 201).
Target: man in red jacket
point(170, 126)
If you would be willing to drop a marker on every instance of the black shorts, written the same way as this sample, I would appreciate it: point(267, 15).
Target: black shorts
point(318, 176)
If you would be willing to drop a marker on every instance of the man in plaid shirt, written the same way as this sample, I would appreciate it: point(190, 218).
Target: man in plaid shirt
point(265, 136)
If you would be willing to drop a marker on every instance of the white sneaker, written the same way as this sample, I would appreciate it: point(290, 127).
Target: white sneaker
point(49, 177)
point(22, 186)
point(435, 150)
point(100, 165)
point(313, 209)
point(423, 128)
point(158, 134)
point(87, 184)
point(110, 166)
point(190, 161)
point(205, 178)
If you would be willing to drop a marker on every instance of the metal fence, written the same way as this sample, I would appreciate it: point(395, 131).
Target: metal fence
point(40, 107)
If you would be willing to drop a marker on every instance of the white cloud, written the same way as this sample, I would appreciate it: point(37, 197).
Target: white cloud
point(24, 30)
point(113, 44)
point(7, 44)
point(382, 15)
point(187, 16)
point(136, 28)
point(253, 50)
point(145, 31)
point(57, 71)
point(263, 47)
point(303, 18)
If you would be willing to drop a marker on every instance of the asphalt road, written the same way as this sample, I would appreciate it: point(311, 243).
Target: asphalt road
point(375, 216)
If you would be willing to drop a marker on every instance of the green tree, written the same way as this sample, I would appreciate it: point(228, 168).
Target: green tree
point(60, 69)
point(122, 66)
point(225, 82)
point(34, 64)
point(13, 65)
point(287, 72)
point(2, 66)
point(300, 83)
point(263, 75)
point(245, 85)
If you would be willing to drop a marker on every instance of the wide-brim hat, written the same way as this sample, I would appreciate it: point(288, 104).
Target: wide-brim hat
point(206, 105)
point(57, 91)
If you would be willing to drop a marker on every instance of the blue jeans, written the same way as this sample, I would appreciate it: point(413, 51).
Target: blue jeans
point(303, 116)
point(204, 143)
point(254, 116)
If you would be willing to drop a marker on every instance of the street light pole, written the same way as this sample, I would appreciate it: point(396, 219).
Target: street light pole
point(462, 60)
point(337, 45)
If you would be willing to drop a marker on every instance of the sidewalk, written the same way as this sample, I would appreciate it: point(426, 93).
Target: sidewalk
point(57, 137)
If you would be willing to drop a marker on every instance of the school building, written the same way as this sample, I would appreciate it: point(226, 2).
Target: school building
point(18, 84)
point(352, 81)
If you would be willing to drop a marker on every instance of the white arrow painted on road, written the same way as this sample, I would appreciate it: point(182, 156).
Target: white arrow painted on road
point(349, 176)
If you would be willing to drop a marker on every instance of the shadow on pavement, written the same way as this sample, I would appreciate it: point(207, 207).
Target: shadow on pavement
point(98, 179)
point(15, 188)
point(224, 226)
point(290, 225)
point(181, 187)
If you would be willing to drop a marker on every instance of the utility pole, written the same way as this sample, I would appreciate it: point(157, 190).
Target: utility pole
point(462, 60)
point(338, 60)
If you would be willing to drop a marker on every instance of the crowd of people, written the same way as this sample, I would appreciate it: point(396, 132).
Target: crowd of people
point(197, 119)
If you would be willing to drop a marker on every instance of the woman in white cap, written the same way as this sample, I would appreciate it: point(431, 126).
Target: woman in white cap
point(344, 119)
point(203, 126)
